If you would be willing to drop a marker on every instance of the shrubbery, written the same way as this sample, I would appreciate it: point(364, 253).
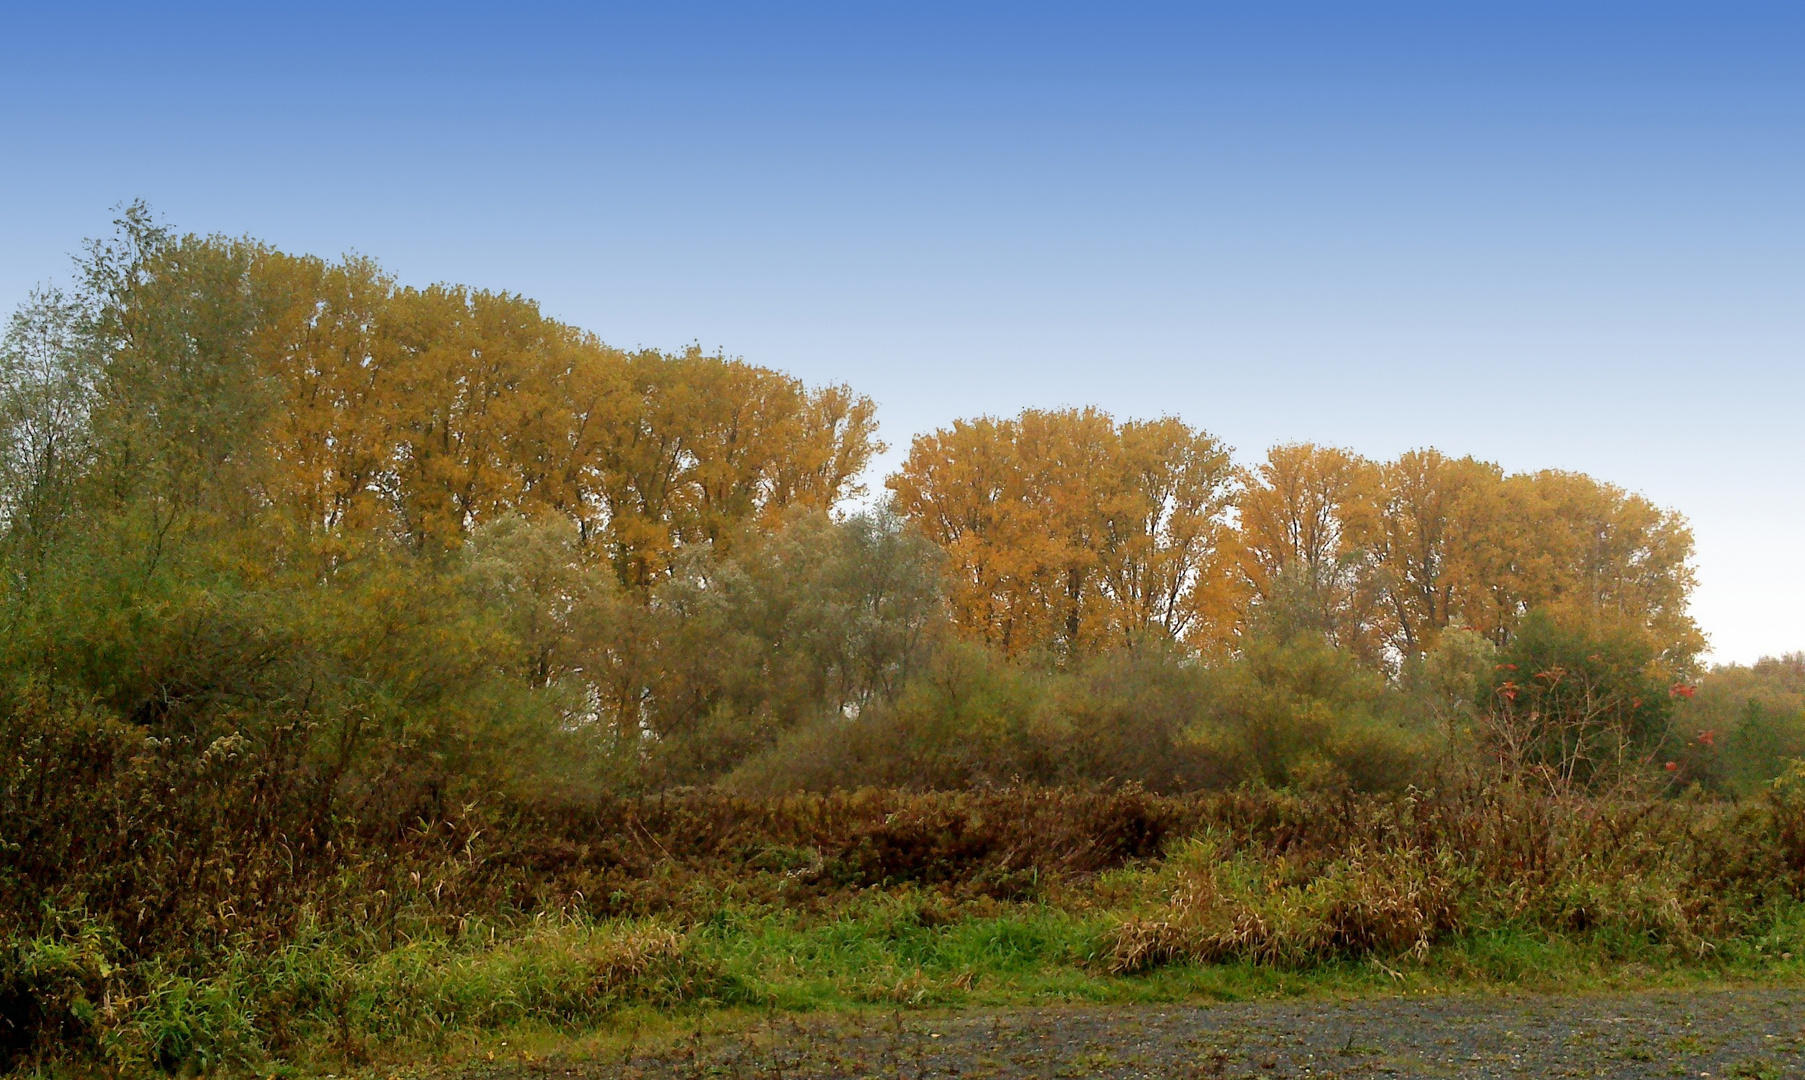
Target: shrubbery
point(566, 916)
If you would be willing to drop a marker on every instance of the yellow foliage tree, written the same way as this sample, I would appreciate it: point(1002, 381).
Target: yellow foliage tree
point(1428, 525)
point(709, 446)
point(1068, 532)
point(1591, 554)
point(1307, 515)
point(1459, 541)
point(422, 414)
point(1388, 555)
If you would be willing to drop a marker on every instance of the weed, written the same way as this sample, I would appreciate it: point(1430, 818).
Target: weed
point(687, 903)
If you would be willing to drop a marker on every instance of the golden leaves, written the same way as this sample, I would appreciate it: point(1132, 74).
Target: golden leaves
point(1067, 531)
point(421, 414)
point(1395, 552)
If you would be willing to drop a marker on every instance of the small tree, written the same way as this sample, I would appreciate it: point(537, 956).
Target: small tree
point(1573, 709)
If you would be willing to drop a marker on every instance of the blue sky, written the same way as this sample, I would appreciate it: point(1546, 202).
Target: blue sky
point(1550, 234)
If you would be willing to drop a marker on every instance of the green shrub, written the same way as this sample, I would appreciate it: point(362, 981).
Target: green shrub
point(54, 990)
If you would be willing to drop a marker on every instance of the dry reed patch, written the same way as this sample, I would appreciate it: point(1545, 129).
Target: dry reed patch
point(628, 960)
point(1233, 907)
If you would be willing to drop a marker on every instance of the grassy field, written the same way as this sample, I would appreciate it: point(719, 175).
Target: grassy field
point(573, 985)
point(658, 918)
point(577, 988)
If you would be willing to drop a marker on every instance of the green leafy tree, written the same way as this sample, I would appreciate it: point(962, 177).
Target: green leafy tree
point(1739, 727)
point(1575, 709)
point(816, 619)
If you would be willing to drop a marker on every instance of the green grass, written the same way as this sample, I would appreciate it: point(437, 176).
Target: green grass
point(571, 985)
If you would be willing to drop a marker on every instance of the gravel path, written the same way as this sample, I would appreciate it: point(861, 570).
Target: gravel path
point(1721, 1034)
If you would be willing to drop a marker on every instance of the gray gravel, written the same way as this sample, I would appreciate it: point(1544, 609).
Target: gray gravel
point(1721, 1034)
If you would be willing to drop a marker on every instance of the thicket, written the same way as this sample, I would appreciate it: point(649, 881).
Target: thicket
point(346, 626)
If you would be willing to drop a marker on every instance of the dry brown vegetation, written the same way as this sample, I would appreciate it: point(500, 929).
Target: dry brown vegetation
point(1267, 877)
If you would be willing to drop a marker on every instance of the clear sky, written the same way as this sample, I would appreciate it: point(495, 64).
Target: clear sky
point(1549, 234)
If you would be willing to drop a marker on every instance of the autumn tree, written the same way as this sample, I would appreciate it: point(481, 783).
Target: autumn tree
point(1621, 560)
point(1382, 557)
point(424, 413)
point(1426, 527)
point(1307, 514)
point(1069, 532)
point(706, 447)
point(1591, 555)
point(239, 482)
point(1165, 565)
point(240, 491)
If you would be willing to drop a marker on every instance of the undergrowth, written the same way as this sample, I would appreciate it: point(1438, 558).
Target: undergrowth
point(691, 904)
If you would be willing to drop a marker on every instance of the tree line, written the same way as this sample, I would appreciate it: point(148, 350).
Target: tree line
point(393, 544)
point(1073, 533)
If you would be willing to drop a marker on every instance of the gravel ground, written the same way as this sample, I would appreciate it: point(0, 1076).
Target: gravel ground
point(1723, 1034)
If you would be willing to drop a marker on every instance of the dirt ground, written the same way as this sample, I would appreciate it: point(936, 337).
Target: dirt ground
point(1721, 1034)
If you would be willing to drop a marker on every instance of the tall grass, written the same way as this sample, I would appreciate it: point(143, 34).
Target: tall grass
point(561, 919)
